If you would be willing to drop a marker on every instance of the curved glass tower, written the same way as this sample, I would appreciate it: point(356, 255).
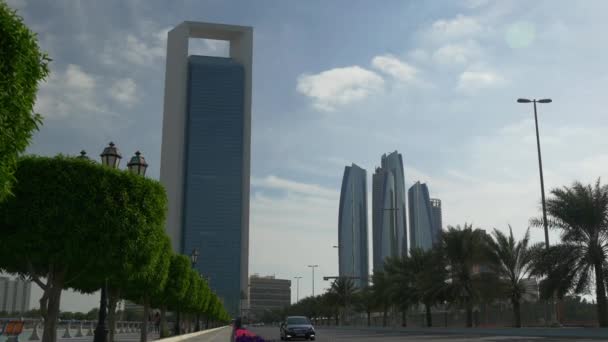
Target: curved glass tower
point(388, 210)
point(421, 217)
point(352, 226)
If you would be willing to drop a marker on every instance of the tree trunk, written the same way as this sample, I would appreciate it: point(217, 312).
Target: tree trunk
point(113, 295)
point(429, 317)
point(164, 332)
point(177, 328)
point(469, 307)
point(49, 305)
point(516, 313)
point(404, 318)
point(600, 294)
point(369, 318)
point(143, 337)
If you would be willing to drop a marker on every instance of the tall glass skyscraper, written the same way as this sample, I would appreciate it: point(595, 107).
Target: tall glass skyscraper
point(352, 226)
point(388, 209)
point(205, 162)
point(421, 217)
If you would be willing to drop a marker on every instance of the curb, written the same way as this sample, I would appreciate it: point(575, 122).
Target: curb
point(191, 335)
point(593, 333)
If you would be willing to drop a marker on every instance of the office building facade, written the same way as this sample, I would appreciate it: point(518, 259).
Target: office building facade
point(205, 158)
point(421, 217)
point(352, 226)
point(388, 210)
point(268, 293)
point(14, 295)
point(437, 223)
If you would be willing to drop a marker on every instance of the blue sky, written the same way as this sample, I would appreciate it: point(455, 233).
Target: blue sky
point(346, 81)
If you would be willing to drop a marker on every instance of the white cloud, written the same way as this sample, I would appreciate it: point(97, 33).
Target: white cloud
point(457, 54)
point(75, 78)
point(419, 55)
point(69, 93)
point(134, 49)
point(394, 67)
point(458, 27)
point(340, 86)
point(124, 91)
point(472, 81)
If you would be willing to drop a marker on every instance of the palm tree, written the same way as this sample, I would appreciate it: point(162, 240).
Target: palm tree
point(365, 301)
point(400, 279)
point(429, 275)
point(512, 262)
point(380, 289)
point(461, 248)
point(343, 289)
point(580, 213)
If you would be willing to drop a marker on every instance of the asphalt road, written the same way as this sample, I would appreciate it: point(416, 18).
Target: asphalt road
point(331, 335)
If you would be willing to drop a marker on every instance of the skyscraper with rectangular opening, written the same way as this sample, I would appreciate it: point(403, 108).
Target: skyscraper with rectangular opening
point(205, 162)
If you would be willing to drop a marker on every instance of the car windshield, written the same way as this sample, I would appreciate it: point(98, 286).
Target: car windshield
point(297, 320)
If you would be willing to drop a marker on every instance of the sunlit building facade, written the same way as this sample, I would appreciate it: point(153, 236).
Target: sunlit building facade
point(205, 159)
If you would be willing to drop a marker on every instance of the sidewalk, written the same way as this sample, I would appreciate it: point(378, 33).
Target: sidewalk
point(528, 332)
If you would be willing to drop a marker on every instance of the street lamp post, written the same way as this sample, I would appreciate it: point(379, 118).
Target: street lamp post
point(313, 278)
point(297, 288)
point(193, 260)
point(540, 166)
point(110, 157)
point(540, 169)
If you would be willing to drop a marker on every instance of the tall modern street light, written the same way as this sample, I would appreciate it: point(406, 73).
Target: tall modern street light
point(313, 278)
point(548, 312)
point(297, 288)
point(110, 157)
point(540, 166)
point(193, 261)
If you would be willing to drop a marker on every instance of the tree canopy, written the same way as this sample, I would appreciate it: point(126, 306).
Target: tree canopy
point(22, 67)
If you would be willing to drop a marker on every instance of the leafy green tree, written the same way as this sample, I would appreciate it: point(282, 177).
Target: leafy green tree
point(175, 290)
point(92, 314)
point(580, 213)
point(70, 222)
point(149, 281)
point(400, 284)
point(428, 272)
point(512, 261)
point(365, 301)
point(343, 290)
point(381, 288)
point(462, 248)
point(22, 67)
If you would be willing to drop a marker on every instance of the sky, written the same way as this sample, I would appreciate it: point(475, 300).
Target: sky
point(343, 82)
